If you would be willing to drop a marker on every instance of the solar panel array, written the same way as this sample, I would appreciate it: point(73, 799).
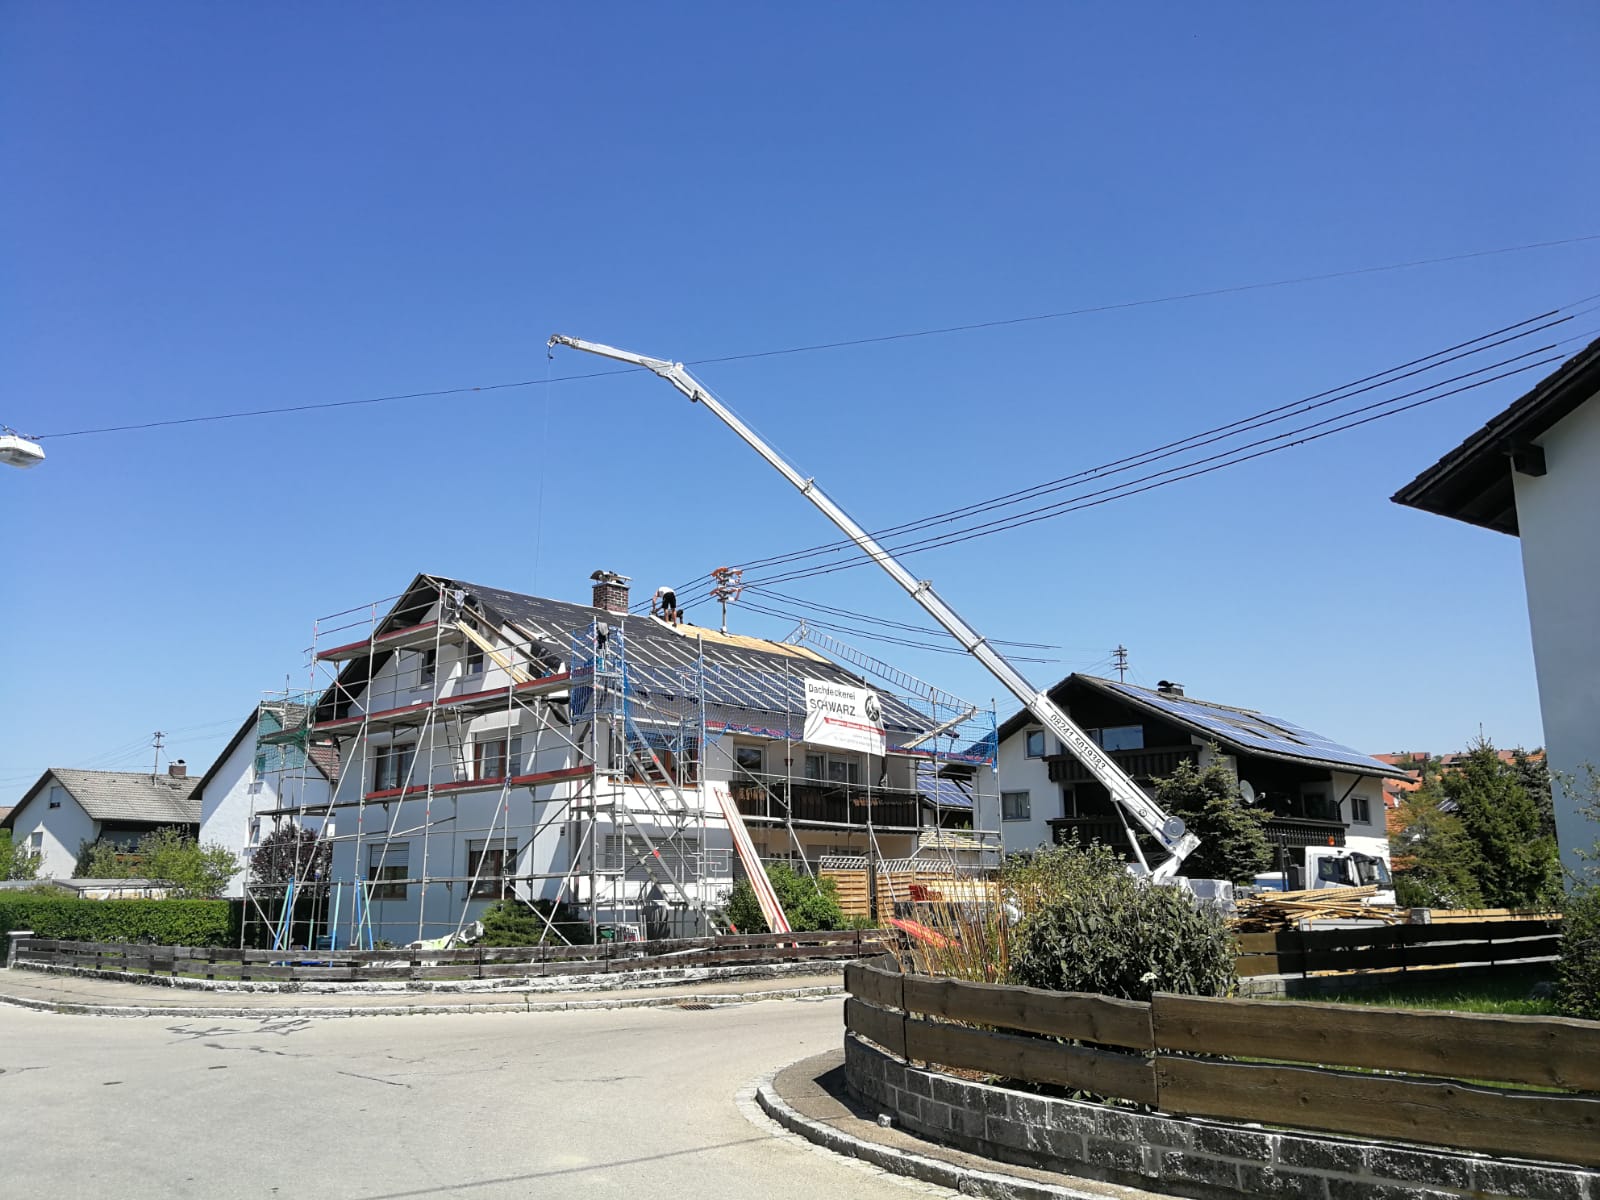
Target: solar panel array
point(744, 689)
point(1247, 729)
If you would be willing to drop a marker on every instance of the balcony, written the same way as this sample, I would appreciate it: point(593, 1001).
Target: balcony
point(1152, 763)
point(1295, 833)
point(777, 798)
point(1108, 831)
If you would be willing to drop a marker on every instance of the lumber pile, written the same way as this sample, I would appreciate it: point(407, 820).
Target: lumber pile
point(1266, 912)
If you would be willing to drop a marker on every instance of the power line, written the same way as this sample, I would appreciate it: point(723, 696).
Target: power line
point(814, 347)
point(1533, 324)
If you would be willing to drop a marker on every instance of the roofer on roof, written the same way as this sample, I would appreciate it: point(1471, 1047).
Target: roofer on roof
point(664, 604)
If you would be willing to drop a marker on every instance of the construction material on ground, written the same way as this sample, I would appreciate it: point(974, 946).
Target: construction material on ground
point(906, 881)
point(1268, 911)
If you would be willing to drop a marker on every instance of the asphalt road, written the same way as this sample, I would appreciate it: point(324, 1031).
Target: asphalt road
point(635, 1103)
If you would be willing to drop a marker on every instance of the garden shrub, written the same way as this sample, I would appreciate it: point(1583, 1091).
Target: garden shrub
point(513, 923)
point(1578, 973)
point(1096, 928)
point(810, 904)
point(154, 922)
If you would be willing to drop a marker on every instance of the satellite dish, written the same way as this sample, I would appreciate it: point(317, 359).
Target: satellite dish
point(1247, 792)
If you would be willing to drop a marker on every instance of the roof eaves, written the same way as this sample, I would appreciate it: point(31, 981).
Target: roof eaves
point(1472, 483)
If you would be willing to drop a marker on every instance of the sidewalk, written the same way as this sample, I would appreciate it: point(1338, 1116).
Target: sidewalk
point(89, 996)
point(810, 1099)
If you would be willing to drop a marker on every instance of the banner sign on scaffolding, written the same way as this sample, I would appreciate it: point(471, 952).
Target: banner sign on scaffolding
point(843, 717)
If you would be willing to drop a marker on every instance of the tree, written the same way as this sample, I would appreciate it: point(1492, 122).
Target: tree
point(17, 862)
point(1233, 840)
point(291, 852)
point(1516, 848)
point(1436, 863)
point(808, 903)
point(169, 856)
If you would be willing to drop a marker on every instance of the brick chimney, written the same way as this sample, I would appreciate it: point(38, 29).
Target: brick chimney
point(611, 592)
point(178, 769)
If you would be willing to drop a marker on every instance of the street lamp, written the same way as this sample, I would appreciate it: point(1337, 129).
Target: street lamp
point(18, 451)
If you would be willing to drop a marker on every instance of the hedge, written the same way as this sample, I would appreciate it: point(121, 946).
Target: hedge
point(157, 922)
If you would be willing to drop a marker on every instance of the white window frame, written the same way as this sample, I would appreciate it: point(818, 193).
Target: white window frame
point(393, 764)
point(1360, 810)
point(1100, 738)
point(474, 659)
point(742, 771)
point(1026, 813)
point(1028, 742)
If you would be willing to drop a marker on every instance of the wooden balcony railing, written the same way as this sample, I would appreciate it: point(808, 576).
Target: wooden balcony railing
point(777, 798)
point(1295, 833)
point(1152, 763)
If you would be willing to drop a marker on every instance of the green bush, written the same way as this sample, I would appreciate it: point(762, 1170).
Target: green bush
point(157, 922)
point(1578, 973)
point(192, 870)
point(810, 904)
point(513, 923)
point(1098, 929)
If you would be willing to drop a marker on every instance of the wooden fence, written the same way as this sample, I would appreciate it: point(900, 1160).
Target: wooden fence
point(1402, 947)
point(476, 962)
point(1445, 1079)
point(898, 886)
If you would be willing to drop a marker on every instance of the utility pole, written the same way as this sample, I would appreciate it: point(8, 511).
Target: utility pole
point(155, 767)
point(1119, 659)
point(728, 587)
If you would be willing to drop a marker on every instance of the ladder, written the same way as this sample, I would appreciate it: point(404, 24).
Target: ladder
point(771, 909)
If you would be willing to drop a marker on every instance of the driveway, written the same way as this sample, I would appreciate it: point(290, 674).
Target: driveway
point(632, 1103)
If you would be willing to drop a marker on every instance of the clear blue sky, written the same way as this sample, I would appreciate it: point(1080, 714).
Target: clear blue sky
point(213, 208)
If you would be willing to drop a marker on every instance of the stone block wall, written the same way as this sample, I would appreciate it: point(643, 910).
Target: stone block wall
point(1208, 1160)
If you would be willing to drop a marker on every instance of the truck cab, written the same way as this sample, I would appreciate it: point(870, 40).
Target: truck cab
point(1332, 867)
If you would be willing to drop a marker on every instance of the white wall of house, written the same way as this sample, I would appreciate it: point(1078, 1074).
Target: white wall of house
point(1018, 775)
point(1561, 567)
point(56, 833)
point(237, 791)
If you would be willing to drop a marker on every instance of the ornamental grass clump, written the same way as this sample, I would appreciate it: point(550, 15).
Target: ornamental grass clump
point(1087, 925)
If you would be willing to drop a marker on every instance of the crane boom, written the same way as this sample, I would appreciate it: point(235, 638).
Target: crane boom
point(1168, 830)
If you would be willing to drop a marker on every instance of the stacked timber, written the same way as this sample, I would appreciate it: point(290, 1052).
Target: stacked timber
point(1266, 912)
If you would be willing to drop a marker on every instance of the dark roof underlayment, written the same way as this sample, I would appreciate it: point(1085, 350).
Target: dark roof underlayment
point(1473, 482)
point(747, 689)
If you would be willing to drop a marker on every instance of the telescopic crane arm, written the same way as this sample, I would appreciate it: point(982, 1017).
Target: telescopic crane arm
point(1167, 830)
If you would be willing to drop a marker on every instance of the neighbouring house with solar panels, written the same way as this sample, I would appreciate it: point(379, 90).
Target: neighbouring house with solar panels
point(1318, 792)
point(1534, 472)
point(485, 744)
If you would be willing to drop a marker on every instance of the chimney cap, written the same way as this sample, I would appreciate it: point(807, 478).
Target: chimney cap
point(1170, 687)
point(611, 577)
point(177, 768)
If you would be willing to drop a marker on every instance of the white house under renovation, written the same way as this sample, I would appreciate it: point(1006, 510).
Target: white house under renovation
point(492, 745)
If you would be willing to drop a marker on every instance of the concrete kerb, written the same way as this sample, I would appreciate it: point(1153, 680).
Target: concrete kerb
point(528, 1003)
point(923, 1168)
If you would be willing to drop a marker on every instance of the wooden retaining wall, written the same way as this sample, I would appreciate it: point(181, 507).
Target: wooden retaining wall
point(1462, 1081)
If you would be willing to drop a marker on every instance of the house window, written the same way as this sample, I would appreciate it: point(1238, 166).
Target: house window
point(261, 763)
point(1360, 810)
point(388, 866)
point(429, 670)
point(1122, 737)
point(489, 866)
point(816, 766)
point(843, 770)
point(490, 760)
point(748, 760)
point(1035, 746)
point(1014, 806)
point(36, 842)
point(475, 660)
point(673, 857)
point(391, 765)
